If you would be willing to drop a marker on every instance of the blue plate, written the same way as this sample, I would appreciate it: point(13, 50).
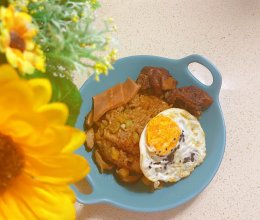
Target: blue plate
point(106, 189)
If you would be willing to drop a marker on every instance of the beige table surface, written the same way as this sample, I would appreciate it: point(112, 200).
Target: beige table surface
point(228, 33)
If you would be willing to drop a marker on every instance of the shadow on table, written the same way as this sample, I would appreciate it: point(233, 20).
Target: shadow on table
point(108, 212)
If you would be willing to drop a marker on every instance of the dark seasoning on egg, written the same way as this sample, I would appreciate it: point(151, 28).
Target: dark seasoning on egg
point(169, 159)
point(188, 159)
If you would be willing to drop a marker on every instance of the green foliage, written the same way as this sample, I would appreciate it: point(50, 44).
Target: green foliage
point(65, 91)
point(67, 34)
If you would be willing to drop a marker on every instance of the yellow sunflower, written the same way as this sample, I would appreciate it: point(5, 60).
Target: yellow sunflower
point(16, 41)
point(37, 163)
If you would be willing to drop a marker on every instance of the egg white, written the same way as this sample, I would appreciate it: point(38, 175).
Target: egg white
point(157, 168)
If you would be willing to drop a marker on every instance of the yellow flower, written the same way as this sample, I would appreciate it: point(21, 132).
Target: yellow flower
point(112, 56)
point(75, 18)
point(100, 68)
point(105, 65)
point(16, 41)
point(93, 2)
point(20, 4)
point(37, 163)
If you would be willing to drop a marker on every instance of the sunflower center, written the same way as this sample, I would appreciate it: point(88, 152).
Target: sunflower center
point(17, 41)
point(11, 161)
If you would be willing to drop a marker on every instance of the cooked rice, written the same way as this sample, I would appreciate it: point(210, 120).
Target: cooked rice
point(117, 132)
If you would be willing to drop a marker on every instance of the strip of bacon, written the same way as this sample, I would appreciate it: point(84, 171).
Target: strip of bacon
point(114, 97)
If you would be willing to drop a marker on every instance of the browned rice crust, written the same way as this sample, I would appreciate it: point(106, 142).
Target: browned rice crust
point(117, 132)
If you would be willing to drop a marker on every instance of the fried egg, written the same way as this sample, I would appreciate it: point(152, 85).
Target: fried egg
point(171, 145)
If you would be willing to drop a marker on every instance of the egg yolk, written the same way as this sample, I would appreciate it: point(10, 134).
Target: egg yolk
point(163, 134)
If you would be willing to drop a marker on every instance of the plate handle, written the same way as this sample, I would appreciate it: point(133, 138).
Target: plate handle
point(84, 188)
point(214, 88)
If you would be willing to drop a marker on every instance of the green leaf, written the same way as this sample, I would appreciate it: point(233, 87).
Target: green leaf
point(65, 91)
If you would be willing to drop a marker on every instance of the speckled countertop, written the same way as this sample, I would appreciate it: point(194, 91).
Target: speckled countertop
point(227, 32)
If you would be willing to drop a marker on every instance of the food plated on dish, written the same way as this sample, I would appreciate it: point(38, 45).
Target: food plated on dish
point(137, 196)
point(148, 129)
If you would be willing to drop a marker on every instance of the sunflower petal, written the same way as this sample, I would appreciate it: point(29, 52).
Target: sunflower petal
point(17, 98)
point(13, 57)
point(56, 113)
point(35, 200)
point(57, 169)
point(76, 140)
point(7, 73)
point(18, 128)
point(34, 135)
point(69, 139)
point(26, 128)
point(11, 207)
point(42, 91)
